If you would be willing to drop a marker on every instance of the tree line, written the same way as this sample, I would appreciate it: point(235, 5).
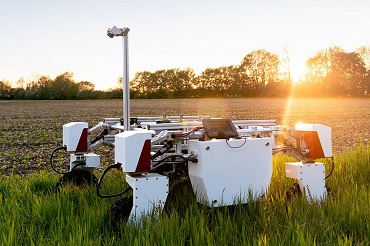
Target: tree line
point(63, 87)
point(330, 72)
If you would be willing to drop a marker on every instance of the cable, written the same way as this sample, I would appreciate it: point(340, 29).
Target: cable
point(332, 168)
point(99, 136)
point(51, 158)
point(284, 149)
point(117, 166)
point(235, 147)
point(291, 151)
point(178, 135)
point(166, 147)
point(167, 157)
point(227, 140)
point(158, 164)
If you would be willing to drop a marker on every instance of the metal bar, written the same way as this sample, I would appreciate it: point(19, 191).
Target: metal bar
point(126, 85)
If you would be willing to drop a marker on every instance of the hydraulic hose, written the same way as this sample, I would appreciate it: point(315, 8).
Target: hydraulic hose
point(99, 136)
point(162, 150)
point(332, 168)
point(162, 161)
point(118, 167)
point(52, 156)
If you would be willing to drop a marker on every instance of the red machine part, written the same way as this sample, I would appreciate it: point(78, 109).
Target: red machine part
point(313, 144)
point(144, 163)
point(83, 145)
point(316, 138)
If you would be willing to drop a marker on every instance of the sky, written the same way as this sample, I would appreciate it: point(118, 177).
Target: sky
point(50, 37)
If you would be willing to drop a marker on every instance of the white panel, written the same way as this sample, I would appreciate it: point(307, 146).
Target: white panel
point(293, 170)
point(149, 194)
point(313, 180)
point(128, 147)
point(91, 159)
point(310, 177)
point(227, 171)
point(72, 133)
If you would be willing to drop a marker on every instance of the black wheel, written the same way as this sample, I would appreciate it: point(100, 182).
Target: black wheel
point(80, 178)
point(180, 196)
point(120, 211)
point(294, 191)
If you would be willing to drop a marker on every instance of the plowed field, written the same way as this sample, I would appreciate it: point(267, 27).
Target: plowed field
point(30, 130)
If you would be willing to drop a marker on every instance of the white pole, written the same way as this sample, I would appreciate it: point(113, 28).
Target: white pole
point(126, 85)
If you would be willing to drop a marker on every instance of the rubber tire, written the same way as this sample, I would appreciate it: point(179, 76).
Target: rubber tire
point(78, 178)
point(120, 211)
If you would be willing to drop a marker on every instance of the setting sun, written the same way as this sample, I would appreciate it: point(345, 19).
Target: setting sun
point(297, 69)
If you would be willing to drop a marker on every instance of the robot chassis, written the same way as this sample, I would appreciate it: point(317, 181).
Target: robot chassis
point(227, 162)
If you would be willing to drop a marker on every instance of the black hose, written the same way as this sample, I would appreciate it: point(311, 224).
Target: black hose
point(235, 147)
point(159, 163)
point(100, 136)
point(332, 168)
point(162, 150)
point(52, 156)
point(117, 166)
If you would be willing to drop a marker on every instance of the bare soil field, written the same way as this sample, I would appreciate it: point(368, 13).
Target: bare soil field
point(30, 130)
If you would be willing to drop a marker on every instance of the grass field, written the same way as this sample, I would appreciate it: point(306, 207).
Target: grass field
point(32, 214)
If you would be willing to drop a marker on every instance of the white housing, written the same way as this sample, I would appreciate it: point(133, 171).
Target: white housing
point(75, 137)
point(230, 172)
point(91, 160)
point(149, 194)
point(317, 138)
point(310, 177)
point(132, 150)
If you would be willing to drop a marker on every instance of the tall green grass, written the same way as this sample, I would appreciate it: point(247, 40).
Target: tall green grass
point(33, 214)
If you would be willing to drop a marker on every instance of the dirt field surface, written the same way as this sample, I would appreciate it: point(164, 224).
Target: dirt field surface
point(30, 130)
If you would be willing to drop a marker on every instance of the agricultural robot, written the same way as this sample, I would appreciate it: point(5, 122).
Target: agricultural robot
point(227, 161)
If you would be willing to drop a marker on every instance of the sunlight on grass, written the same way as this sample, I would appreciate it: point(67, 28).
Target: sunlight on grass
point(33, 214)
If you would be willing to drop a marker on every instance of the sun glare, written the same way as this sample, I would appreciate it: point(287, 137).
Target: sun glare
point(288, 107)
point(297, 72)
point(297, 69)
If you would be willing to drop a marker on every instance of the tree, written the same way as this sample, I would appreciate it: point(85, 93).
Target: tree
point(285, 64)
point(207, 82)
point(258, 69)
point(20, 83)
point(64, 87)
point(86, 86)
point(165, 83)
point(43, 87)
point(221, 81)
point(5, 88)
point(364, 53)
point(178, 81)
point(336, 72)
point(144, 84)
